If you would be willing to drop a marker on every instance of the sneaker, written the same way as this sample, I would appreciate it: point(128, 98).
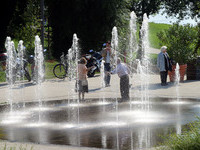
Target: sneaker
point(107, 85)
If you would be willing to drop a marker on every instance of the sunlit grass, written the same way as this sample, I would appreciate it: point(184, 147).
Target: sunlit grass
point(189, 139)
point(155, 28)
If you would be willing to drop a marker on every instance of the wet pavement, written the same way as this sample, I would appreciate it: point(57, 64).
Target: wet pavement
point(98, 124)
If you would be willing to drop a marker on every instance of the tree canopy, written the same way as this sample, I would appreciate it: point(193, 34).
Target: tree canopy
point(91, 20)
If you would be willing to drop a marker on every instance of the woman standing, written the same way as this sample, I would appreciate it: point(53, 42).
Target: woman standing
point(164, 65)
point(82, 84)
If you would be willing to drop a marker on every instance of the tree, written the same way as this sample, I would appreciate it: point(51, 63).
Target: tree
point(91, 20)
point(6, 11)
point(25, 23)
point(145, 6)
point(183, 8)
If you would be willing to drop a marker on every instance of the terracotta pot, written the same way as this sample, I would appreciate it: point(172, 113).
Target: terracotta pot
point(182, 72)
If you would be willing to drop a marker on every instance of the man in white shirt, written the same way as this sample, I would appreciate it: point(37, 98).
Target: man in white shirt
point(123, 72)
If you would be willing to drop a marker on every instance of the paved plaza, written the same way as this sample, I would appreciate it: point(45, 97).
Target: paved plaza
point(55, 89)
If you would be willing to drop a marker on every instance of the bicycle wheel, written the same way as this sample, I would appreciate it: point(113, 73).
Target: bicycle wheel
point(59, 71)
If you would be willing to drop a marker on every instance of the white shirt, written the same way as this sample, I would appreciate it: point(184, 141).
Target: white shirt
point(108, 57)
point(121, 70)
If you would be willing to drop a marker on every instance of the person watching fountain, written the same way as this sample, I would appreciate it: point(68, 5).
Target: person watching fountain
point(123, 72)
point(164, 65)
point(107, 54)
point(82, 84)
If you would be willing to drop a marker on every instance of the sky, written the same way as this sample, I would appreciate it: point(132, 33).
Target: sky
point(161, 18)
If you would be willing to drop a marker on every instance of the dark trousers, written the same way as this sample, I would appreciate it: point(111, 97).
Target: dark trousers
point(124, 87)
point(107, 76)
point(163, 76)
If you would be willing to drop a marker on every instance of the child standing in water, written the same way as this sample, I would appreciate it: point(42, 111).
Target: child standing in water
point(82, 84)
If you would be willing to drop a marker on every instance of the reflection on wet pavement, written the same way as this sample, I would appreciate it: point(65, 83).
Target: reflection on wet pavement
point(121, 126)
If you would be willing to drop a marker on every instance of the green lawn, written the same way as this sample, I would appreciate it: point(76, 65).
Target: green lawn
point(48, 71)
point(155, 28)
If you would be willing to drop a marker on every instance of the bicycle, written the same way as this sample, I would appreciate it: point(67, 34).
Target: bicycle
point(60, 70)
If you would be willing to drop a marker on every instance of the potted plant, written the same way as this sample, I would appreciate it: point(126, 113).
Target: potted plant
point(180, 42)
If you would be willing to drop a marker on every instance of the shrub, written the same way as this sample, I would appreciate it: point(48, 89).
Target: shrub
point(188, 140)
point(180, 41)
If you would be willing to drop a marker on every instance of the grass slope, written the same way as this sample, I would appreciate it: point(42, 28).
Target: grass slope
point(155, 28)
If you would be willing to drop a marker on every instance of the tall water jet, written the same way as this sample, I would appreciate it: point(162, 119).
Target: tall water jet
point(114, 46)
point(144, 63)
point(20, 58)
point(21, 65)
point(144, 34)
point(102, 74)
point(10, 68)
point(10, 61)
point(102, 71)
point(38, 73)
point(177, 80)
point(39, 62)
point(133, 45)
point(177, 74)
point(72, 58)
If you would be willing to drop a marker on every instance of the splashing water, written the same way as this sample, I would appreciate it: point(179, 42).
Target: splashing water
point(133, 46)
point(10, 68)
point(20, 59)
point(39, 62)
point(102, 71)
point(102, 74)
point(177, 74)
point(114, 45)
point(72, 58)
point(10, 62)
point(143, 65)
point(144, 32)
point(21, 66)
point(177, 80)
